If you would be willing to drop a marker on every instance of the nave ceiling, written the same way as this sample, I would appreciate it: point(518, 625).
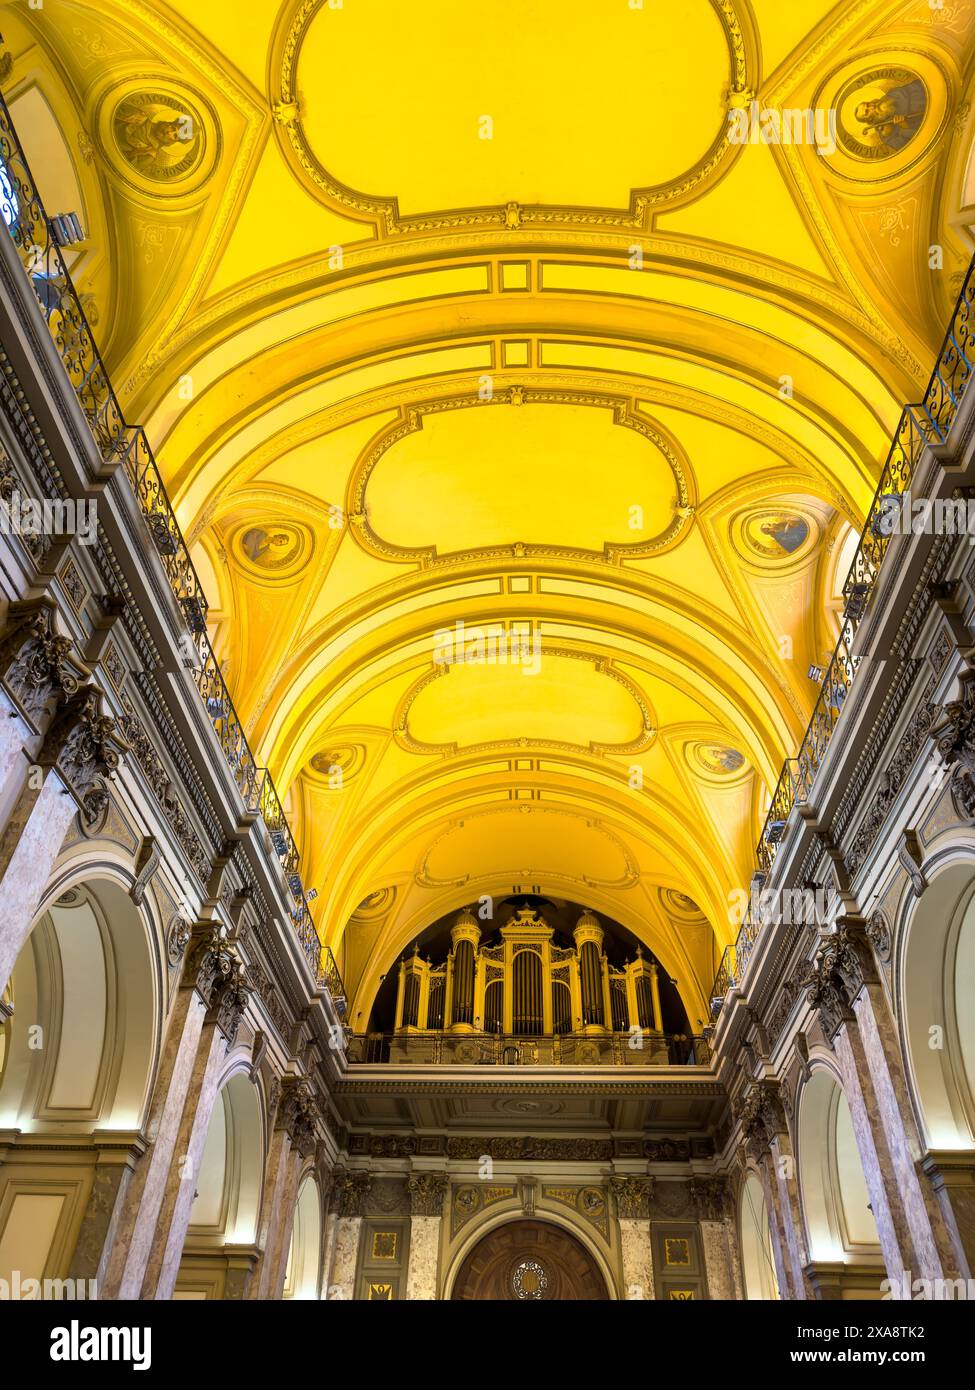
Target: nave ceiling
point(605, 382)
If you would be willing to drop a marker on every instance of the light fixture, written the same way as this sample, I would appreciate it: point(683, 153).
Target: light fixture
point(66, 229)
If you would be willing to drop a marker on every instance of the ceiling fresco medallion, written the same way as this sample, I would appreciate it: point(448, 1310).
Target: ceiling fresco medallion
point(718, 761)
point(679, 904)
point(888, 114)
point(775, 537)
point(337, 765)
point(158, 136)
point(272, 549)
point(375, 905)
point(314, 34)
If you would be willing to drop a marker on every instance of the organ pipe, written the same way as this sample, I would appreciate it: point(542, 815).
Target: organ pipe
point(526, 984)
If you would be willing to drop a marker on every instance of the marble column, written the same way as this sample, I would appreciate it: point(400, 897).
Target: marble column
point(29, 846)
point(952, 1178)
point(328, 1245)
point(632, 1197)
point(350, 1190)
point(280, 1249)
point(345, 1255)
point(767, 1138)
point(427, 1193)
point(294, 1113)
point(79, 749)
point(783, 1276)
point(853, 1010)
point(712, 1200)
point(204, 1019)
point(115, 1165)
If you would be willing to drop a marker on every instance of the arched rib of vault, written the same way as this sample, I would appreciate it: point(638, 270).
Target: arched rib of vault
point(364, 858)
point(847, 457)
point(402, 928)
point(245, 322)
point(329, 670)
point(755, 646)
point(842, 430)
point(670, 827)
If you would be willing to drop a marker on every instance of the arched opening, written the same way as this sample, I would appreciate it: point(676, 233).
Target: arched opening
point(226, 1202)
point(77, 1050)
point(840, 1225)
point(303, 1278)
point(529, 1261)
point(757, 1260)
point(937, 973)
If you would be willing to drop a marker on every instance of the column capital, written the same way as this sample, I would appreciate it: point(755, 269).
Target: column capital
point(84, 746)
point(711, 1198)
point(215, 970)
point(762, 1117)
point(350, 1189)
point(633, 1197)
point(36, 663)
point(427, 1192)
point(298, 1113)
point(954, 732)
point(842, 966)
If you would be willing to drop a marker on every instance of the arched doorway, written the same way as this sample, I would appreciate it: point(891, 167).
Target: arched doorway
point(529, 1261)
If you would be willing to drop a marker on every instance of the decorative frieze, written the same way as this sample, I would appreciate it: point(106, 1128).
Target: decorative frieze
point(917, 731)
point(165, 792)
point(525, 1147)
point(269, 995)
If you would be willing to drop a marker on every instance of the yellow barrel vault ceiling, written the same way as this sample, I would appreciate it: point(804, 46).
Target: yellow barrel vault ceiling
point(446, 315)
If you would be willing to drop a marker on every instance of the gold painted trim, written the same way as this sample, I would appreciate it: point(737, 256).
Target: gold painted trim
point(626, 413)
point(384, 213)
point(410, 744)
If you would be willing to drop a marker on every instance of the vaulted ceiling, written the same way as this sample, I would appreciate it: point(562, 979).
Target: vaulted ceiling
point(474, 321)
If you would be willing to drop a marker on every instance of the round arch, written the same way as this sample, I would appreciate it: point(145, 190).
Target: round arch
point(529, 1261)
point(228, 1186)
point(551, 1218)
point(304, 1272)
point(934, 968)
point(80, 1048)
point(757, 1260)
point(840, 1227)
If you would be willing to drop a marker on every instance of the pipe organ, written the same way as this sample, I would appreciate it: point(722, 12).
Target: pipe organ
point(527, 986)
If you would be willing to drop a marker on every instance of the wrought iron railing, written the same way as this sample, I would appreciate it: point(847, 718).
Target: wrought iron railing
point(928, 423)
point(516, 1049)
point(30, 230)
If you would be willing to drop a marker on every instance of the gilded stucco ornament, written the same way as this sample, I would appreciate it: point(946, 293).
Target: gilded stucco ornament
point(158, 136)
